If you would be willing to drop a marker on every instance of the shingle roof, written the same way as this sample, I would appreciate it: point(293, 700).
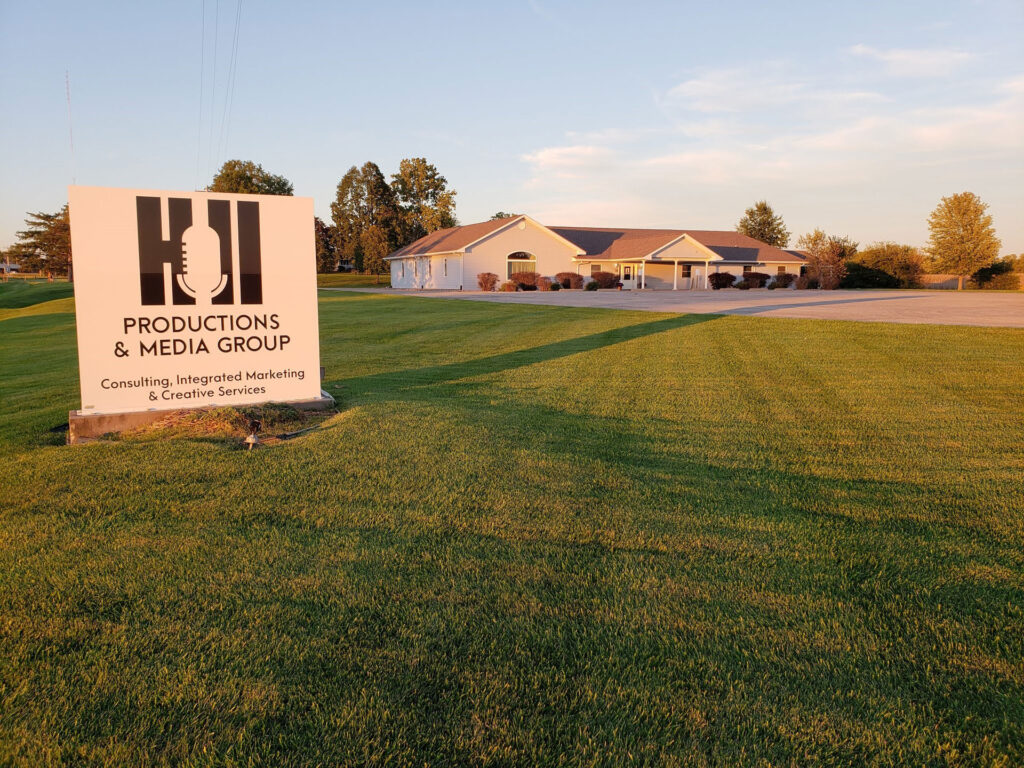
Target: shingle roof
point(623, 244)
point(451, 239)
point(611, 243)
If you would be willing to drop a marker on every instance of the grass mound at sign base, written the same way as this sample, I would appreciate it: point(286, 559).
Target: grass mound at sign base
point(230, 424)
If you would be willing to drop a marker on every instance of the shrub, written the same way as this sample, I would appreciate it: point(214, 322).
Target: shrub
point(757, 279)
point(903, 262)
point(570, 279)
point(1007, 281)
point(555, 286)
point(997, 276)
point(829, 281)
point(743, 285)
point(783, 281)
point(527, 281)
point(805, 282)
point(591, 286)
point(605, 279)
point(509, 286)
point(720, 280)
point(544, 283)
point(860, 276)
point(487, 281)
point(771, 286)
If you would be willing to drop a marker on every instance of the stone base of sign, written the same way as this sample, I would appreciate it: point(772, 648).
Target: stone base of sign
point(84, 427)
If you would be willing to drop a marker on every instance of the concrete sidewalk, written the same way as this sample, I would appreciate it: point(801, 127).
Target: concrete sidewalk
point(986, 308)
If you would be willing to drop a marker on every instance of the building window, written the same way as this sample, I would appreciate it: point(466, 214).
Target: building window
point(521, 261)
point(687, 270)
point(595, 268)
point(428, 267)
point(748, 268)
point(781, 271)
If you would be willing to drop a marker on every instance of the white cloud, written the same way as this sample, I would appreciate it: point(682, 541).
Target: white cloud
point(731, 136)
point(915, 62)
point(735, 91)
point(568, 158)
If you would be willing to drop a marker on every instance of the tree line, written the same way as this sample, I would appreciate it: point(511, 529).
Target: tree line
point(370, 216)
point(962, 242)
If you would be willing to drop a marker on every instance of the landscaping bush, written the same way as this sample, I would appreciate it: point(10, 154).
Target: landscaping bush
point(743, 285)
point(783, 281)
point(555, 286)
point(527, 281)
point(757, 279)
point(999, 276)
point(831, 280)
point(570, 280)
point(487, 281)
point(606, 279)
point(860, 276)
point(720, 280)
point(509, 286)
point(805, 282)
point(591, 286)
point(1007, 281)
point(544, 283)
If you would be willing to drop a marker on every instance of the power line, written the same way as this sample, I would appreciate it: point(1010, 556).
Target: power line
point(211, 153)
point(202, 74)
point(71, 135)
point(229, 93)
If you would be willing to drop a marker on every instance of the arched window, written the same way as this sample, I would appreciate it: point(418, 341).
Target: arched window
point(521, 261)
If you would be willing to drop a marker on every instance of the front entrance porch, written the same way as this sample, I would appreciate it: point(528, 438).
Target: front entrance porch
point(653, 274)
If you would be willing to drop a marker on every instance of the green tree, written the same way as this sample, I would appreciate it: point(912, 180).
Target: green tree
point(326, 260)
point(903, 262)
point(827, 256)
point(503, 215)
point(762, 223)
point(375, 245)
point(246, 177)
point(45, 243)
point(962, 238)
point(425, 202)
point(364, 201)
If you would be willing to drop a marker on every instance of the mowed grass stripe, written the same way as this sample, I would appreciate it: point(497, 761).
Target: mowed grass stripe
point(533, 536)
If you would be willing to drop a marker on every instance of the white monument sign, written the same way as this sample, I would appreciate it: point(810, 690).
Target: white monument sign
point(187, 299)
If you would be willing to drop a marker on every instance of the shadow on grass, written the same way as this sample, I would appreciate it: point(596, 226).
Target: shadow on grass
point(396, 381)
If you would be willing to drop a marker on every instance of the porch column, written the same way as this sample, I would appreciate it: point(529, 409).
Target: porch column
point(675, 275)
point(462, 272)
point(707, 266)
point(643, 275)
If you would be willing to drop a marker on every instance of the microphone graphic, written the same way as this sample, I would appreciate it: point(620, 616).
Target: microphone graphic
point(200, 276)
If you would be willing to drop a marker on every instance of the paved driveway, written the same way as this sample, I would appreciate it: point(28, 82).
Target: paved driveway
point(942, 307)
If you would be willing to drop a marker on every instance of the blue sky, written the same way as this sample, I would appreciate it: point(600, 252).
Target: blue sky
point(855, 117)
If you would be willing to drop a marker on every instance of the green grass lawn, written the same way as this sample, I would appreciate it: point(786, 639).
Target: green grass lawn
point(17, 292)
point(532, 535)
point(351, 280)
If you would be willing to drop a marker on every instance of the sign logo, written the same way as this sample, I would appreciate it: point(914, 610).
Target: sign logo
point(196, 263)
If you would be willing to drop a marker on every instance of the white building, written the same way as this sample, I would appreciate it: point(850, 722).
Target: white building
point(672, 259)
